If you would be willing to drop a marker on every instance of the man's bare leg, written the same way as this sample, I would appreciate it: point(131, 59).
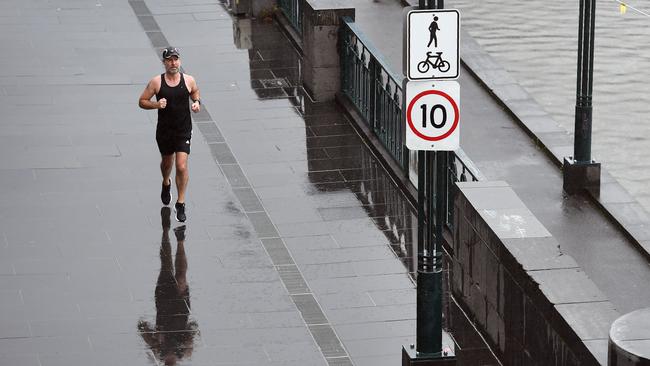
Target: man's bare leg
point(166, 165)
point(182, 175)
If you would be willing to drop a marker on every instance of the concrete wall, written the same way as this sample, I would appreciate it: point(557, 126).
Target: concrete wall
point(533, 303)
point(320, 34)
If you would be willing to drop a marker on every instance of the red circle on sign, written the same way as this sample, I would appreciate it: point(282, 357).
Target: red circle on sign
point(420, 134)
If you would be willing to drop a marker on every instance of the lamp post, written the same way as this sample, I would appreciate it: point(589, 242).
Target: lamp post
point(580, 171)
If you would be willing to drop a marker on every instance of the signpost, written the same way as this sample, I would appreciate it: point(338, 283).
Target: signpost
point(432, 117)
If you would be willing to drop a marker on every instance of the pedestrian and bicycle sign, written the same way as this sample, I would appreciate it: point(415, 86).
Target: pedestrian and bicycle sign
point(432, 104)
point(431, 41)
point(432, 115)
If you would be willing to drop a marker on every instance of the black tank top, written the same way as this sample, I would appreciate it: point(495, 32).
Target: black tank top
point(174, 119)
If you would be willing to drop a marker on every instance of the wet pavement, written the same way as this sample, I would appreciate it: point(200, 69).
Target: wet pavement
point(296, 242)
point(298, 246)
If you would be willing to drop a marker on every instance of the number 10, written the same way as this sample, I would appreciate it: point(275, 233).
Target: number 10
point(432, 115)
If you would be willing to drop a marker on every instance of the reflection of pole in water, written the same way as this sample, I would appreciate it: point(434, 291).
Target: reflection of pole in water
point(172, 336)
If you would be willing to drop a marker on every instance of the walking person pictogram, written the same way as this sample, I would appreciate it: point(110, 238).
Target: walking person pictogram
point(433, 28)
point(433, 55)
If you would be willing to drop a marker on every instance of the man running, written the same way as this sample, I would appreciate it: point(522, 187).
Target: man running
point(173, 91)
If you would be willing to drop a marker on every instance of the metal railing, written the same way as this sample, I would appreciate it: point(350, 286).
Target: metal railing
point(458, 171)
point(375, 91)
point(293, 11)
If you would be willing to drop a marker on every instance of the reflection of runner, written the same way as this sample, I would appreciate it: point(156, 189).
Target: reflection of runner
point(172, 337)
point(433, 28)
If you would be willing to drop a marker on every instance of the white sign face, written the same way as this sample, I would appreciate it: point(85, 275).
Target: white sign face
point(432, 115)
point(432, 44)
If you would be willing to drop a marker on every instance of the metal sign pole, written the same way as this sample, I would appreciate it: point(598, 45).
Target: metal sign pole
point(436, 106)
point(441, 158)
point(429, 280)
point(425, 318)
point(424, 330)
point(582, 146)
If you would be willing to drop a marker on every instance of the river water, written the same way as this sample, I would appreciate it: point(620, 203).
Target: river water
point(536, 41)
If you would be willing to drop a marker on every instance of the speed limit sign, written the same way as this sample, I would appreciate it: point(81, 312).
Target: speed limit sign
point(432, 115)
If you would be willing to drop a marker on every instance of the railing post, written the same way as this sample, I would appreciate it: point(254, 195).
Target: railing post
point(343, 55)
point(372, 71)
point(406, 155)
point(298, 14)
point(449, 188)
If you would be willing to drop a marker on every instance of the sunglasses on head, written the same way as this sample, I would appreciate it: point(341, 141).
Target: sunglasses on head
point(169, 51)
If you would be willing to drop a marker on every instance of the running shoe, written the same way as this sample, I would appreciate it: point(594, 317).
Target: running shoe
point(166, 194)
point(180, 212)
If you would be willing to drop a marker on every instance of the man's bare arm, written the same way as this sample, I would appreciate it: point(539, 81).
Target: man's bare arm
point(149, 91)
point(194, 94)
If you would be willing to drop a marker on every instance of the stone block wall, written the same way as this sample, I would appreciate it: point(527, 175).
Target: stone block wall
point(320, 29)
point(533, 303)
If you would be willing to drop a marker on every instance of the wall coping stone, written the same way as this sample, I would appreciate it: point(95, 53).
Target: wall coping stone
point(572, 303)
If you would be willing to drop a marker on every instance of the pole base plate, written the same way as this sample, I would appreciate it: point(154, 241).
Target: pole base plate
point(579, 176)
point(412, 358)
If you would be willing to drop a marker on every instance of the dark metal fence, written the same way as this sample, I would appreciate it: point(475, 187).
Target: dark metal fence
point(373, 89)
point(293, 11)
point(457, 172)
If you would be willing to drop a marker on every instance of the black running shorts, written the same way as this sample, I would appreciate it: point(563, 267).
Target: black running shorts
point(171, 144)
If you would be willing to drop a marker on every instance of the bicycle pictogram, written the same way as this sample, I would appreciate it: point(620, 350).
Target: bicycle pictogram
point(433, 61)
